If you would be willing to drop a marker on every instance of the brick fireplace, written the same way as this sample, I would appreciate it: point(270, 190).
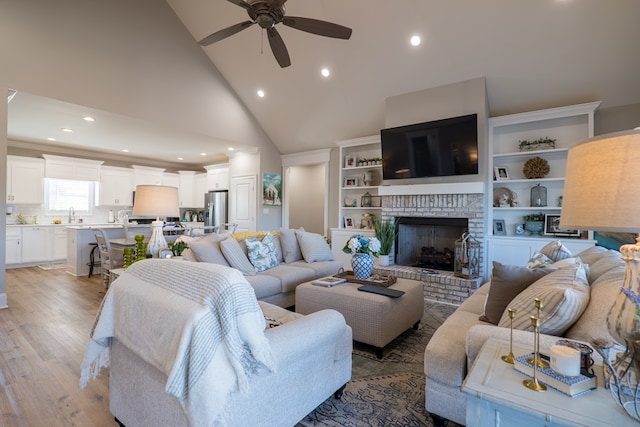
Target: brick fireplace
point(459, 207)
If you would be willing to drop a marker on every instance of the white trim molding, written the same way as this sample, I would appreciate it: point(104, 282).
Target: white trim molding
point(477, 187)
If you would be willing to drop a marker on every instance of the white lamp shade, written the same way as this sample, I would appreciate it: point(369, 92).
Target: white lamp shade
point(602, 184)
point(156, 201)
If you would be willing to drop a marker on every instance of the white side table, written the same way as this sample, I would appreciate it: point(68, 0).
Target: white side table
point(496, 397)
point(114, 274)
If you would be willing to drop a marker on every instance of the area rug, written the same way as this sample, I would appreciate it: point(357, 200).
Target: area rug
point(387, 391)
point(53, 266)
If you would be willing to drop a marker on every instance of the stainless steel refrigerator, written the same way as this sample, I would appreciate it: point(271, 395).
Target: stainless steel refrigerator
point(216, 209)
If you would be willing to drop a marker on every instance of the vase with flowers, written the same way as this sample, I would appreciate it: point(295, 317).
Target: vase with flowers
point(362, 250)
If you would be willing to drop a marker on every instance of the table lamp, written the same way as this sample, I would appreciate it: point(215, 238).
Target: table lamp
point(158, 201)
point(602, 193)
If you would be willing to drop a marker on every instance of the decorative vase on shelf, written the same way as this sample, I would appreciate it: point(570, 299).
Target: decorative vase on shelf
point(362, 265)
point(534, 227)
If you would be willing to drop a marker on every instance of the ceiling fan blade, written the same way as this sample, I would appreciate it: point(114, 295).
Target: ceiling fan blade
point(224, 33)
point(241, 3)
point(278, 48)
point(315, 26)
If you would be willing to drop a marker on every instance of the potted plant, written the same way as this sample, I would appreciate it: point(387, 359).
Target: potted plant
point(534, 223)
point(178, 247)
point(362, 250)
point(385, 232)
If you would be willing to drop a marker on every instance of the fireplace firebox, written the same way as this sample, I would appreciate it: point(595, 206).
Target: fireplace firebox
point(428, 242)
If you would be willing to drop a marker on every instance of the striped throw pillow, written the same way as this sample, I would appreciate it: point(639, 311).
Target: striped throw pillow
point(556, 250)
point(565, 295)
point(313, 247)
point(235, 256)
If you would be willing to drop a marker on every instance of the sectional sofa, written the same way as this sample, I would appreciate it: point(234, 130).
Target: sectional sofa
point(273, 262)
point(577, 292)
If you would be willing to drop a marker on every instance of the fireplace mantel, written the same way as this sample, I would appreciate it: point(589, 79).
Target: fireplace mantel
point(442, 188)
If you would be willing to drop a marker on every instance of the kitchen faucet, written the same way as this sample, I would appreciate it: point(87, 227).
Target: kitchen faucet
point(72, 215)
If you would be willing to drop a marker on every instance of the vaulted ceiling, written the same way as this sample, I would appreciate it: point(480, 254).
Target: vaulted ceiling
point(533, 54)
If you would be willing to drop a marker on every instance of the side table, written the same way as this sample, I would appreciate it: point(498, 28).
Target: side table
point(496, 396)
point(114, 274)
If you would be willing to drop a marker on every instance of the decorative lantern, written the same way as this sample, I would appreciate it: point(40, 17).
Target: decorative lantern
point(467, 257)
point(366, 200)
point(538, 196)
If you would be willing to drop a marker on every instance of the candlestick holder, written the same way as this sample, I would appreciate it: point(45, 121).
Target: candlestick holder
point(540, 362)
point(532, 383)
point(510, 358)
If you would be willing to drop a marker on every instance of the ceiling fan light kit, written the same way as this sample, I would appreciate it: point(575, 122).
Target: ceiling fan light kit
point(267, 14)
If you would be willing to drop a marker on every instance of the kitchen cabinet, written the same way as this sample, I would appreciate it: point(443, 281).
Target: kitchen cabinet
point(59, 244)
point(35, 244)
point(72, 168)
point(217, 177)
point(201, 188)
point(25, 180)
point(13, 247)
point(116, 186)
point(187, 189)
point(171, 180)
point(144, 175)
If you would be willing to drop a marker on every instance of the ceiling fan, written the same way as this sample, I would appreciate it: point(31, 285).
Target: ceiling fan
point(268, 13)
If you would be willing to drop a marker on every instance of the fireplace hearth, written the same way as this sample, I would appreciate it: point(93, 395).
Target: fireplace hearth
point(428, 242)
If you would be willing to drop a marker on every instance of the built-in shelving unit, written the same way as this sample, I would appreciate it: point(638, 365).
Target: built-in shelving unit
point(568, 126)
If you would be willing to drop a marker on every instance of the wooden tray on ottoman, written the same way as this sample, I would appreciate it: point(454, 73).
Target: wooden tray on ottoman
point(376, 279)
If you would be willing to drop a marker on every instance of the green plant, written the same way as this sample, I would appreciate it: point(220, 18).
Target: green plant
point(546, 140)
point(178, 247)
point(385, 231)
point(534, 217)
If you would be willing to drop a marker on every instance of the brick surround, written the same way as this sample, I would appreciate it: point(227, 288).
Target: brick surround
point(444, 286)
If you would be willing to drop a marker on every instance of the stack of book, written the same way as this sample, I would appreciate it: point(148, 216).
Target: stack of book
point(571, 386)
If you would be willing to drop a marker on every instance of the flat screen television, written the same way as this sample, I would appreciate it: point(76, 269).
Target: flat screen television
point(445, 147)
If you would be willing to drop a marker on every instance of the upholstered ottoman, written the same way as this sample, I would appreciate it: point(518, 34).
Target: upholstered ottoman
point(375, 319)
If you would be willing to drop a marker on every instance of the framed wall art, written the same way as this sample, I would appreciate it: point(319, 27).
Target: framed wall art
point(552, 227)
point(351, 182)
point(501, 173)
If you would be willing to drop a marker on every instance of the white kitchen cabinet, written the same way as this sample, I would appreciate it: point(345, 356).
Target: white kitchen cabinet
point(201, 188)
point(58, 244)
point(35, 244)
point(171, 180)
point(116, 186)
point(187, 189)
point(14, 246)
point(25, 180)
point(144, 175)
point(72, 168)
point(217, 177)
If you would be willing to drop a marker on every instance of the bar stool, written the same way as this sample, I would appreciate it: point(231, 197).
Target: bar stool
point(92, 257)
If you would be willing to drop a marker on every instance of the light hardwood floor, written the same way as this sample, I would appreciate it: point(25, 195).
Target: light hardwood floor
point(42, 338)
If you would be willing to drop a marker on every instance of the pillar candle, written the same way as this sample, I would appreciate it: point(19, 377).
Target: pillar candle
point(565, 360)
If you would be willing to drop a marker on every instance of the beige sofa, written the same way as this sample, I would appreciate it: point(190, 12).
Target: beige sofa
point(296, 257)
point(452, 350)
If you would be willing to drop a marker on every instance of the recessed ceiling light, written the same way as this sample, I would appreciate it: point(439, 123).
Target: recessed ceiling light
point(261, 93)
point(325, 72)
point(231, 149)
point(180, 158)
point(124, 150)
point(88, 119)
point(67, 130)
point(203, 154)
point(51, 139)
point(415, 41)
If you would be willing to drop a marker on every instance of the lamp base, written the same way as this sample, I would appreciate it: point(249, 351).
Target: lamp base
point(157, 240)
point(622, 320)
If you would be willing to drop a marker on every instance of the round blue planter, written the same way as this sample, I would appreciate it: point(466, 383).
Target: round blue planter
point(362, 265)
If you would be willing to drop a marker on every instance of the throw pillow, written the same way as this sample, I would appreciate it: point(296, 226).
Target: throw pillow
point(207, 249)
point(556, 250)
point(507, 281)
point(262, 253)
point(313, 247)
point(539, 260)
point(290, 247)
point(235, 256)
point(565, 295)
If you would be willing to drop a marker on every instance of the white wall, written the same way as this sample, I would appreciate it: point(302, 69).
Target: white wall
point(306, 197)
point(133, 58)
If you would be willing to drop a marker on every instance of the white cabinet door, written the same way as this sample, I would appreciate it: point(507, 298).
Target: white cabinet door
point(171, 180)
point(35, 244)
point(25, 180)
point(14, 248)
point(58, 244)
point(509, 251)
point(186, 189)
point(116, 186)
point(201, 188)
point(217, 177)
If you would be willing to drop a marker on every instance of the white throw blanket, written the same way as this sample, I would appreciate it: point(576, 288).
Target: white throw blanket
point(198, 323)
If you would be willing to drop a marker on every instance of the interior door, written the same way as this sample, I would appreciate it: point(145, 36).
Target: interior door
point(242, 202)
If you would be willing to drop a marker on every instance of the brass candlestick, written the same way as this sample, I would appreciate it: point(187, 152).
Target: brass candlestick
point(510, 358)
point(532, 383)
point(540, 363)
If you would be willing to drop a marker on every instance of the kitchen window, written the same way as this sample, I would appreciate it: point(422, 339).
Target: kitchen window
point(63, 194)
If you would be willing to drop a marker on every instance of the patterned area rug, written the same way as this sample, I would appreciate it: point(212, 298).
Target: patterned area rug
point(387, 391)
